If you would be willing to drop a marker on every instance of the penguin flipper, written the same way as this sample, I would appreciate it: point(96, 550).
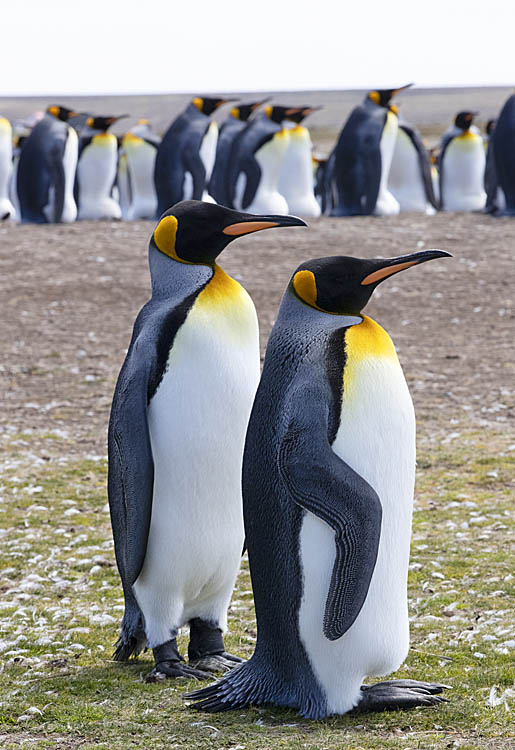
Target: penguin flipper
point(321, 483)
point(195, 166)
point(58, 179)
point(423, 160)
point(252, 172)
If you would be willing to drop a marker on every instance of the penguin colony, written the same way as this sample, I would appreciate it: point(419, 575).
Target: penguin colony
point(325, 444)
point(260, 161)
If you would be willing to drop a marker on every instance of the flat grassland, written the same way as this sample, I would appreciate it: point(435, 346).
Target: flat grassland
point(69, 296)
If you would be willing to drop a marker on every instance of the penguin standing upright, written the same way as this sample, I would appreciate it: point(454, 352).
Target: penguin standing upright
point(46, 169)
point(328, 476)
point(235, 123)
point(504, 154)
point(139, 147)
point(96, 170)
point(7, 210)
point(362, 158)
point(495, 201)
point(186, 154)
point(461, 166)
point(409, 179)
point(176, 437)
point(296, 177)
point(256, 162)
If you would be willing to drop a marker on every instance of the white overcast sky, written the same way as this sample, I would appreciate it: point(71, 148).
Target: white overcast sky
point(108, 46)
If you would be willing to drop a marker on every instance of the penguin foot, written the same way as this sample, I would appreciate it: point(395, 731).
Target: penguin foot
point(167, 670)
point(215, 663)
point(394, 695)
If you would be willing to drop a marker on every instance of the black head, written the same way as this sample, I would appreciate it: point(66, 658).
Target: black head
point(302, 113)
point(464, 120)
point(197, 232)
point(61, 113)
point(207, 105)
point(103, 123)
point(278, 114)
point(490, 126)
point(342, 286)
point(243, 111)
point(383, 97)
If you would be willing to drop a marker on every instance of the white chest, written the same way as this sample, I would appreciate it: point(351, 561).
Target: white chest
point(462, 175)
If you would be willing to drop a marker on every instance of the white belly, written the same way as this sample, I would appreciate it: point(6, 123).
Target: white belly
point(405, 178)
point(296, 178)
point(386, 204)
point(463, 172)
point(141, 157)
point(376, 438)
point(6, 167)
point(268, 199)
point(198, 420)
point(96, 175)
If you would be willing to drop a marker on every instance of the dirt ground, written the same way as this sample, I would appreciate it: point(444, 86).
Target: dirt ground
point(69, 296)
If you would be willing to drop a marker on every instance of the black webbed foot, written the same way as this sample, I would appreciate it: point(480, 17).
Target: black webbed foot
point(206, 650)
point(170, 665)
point(394, 695)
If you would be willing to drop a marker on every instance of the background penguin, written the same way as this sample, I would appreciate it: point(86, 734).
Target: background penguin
point(186, 155)
point(296, 177)
point(495, 200)
point(461, 166)
point(256, 161)
point(176, 435)
point(46, 169)
point(362, 158)
point(504, 154)
point(139, 147)
point(7, 210)
point(96, 170)
point(409, 179)
point(235, 123)
point(328, 475)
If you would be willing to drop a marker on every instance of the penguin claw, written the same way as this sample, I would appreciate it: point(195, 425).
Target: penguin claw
point(167, 670)
point(215, 663)
point(394, 695)
point(429, 687)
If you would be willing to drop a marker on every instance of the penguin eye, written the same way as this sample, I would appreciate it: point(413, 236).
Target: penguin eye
point(164, 236)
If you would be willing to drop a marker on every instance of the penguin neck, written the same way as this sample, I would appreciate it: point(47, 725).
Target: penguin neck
point(167, 275)
point(295, 311)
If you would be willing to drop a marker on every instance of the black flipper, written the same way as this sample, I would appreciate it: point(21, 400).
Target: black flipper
point(194, 165)
point(320, 482)
point(423, 160)
point(252, 172)
point(58, 179)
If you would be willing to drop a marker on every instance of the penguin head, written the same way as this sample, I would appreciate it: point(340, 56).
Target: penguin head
point(243, 111)
point(383, 97)
point(341, 285)
point(103, 123)
point(278, 114)
point(61, 113)
point(207, 105)
point(301, 113)
point(464, 120)
point(197, 232)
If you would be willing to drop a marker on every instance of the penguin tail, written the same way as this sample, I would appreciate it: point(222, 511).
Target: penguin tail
point(125, 648)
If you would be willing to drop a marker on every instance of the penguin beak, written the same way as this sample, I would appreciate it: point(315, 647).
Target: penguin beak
point(402, 88)
point(254, 223)
point(112, 120)
point(387, 268)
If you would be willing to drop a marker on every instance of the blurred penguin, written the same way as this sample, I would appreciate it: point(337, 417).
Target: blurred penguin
point(235, 123)
point(461, 166)
point(46, 169)
point(409, 179)
point(7, 210)
point(504, 152)
point(138, 156)
point(495, 200)
point(96, 170)
point(296, 177)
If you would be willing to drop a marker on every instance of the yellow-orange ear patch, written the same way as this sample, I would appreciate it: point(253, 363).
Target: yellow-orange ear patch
point(374, 96)
point(198, 102)
point(164, 236)
point(305, 287)
point(54, 110)
point(382, 273)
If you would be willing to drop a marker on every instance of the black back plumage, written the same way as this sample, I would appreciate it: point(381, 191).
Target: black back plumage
point(504, 152)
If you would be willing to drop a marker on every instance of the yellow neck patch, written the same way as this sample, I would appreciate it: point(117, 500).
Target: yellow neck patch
point(220, 290)
point(368, 339)
point(164, 237)
point(235, 112)
point(130, 138)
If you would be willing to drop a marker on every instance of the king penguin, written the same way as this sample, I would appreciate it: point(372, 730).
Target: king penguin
point(362, 158)
point(504, 149)
point(328, 477)
point(461, 166)
point(235, 123)
point(96, 170)
point(46, 169)
point(7, 210)
point(176, 436)
point(186, 155)
point(256, 162)
point(139, 148)
point(409, 180)
point(296, 177)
